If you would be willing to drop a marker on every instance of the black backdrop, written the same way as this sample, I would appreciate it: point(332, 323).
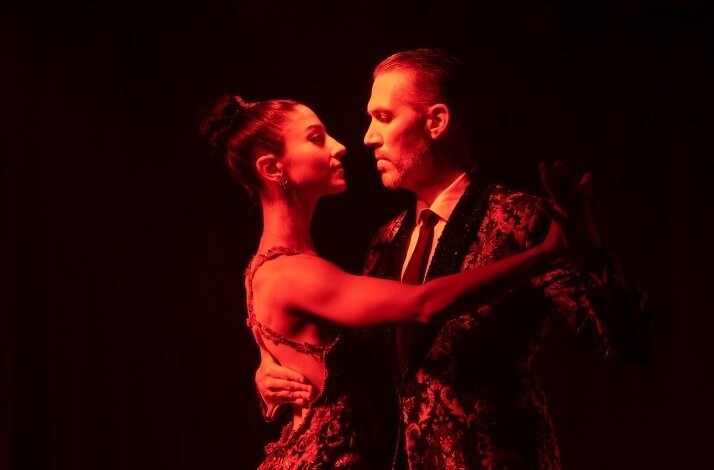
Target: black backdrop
point(122, 335)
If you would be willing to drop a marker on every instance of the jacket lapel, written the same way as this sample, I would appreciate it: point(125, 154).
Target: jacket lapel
point(395, 252)
point(459, 234)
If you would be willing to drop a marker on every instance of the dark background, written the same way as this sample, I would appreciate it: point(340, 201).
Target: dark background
point(122, 337)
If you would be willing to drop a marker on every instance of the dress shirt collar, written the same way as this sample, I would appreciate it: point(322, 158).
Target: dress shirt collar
point(446, 201)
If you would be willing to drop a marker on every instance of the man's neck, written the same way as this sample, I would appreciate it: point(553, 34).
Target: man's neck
point(427, 192)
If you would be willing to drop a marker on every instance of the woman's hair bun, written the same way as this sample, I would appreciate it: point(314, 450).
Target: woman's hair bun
point(217, 125)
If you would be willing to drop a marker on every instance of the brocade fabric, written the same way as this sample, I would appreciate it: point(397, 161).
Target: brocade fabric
point(472, 396)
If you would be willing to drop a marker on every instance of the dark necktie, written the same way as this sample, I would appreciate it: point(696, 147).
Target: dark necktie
point(414, 274)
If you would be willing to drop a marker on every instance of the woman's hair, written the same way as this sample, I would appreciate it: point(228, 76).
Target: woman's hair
point(241, 131)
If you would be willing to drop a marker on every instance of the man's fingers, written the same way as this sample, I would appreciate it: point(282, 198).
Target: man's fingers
point(288, 396)
point(279, 372)
point(274, 384)
point(270, 367)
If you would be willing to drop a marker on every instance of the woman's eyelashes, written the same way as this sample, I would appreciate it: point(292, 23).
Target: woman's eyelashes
point(317, 138)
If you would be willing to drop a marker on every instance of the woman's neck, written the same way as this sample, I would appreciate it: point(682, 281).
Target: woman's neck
point(286, 225)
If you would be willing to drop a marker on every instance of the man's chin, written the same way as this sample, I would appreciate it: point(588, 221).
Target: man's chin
point(393, 184)
point(389, 181)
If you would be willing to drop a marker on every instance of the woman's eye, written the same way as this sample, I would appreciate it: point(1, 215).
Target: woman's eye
point(317, 139)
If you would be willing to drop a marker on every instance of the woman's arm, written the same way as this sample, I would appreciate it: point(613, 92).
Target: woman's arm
point(310, 285)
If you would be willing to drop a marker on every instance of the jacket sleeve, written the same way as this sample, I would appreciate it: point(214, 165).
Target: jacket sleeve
point(605, 306)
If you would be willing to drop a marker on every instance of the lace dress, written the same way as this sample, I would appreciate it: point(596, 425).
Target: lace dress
point(331, 434)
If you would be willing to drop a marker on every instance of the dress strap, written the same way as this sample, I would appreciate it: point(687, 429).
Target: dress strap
point(267, 332)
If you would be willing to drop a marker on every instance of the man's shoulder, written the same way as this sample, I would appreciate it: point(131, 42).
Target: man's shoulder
point(505, 197)
point(509, 218)
point(501, 199)
point(513, 216)
point(388, 231)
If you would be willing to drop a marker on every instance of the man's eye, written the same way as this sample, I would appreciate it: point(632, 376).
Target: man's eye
point(383, 117)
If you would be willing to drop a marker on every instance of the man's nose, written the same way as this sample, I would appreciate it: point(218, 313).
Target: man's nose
point(372, 138)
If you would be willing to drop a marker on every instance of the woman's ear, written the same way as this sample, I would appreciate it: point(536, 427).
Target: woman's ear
point(269, 168)
point(437, 120)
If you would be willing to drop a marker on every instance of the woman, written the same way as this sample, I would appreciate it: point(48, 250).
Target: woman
point(280, 151)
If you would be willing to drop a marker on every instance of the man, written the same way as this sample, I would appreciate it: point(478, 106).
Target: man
point(468, 394)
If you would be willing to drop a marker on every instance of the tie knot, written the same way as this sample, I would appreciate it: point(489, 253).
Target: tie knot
point(429, 218)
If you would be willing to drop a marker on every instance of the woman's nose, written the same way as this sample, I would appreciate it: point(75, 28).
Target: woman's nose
point(338, 150)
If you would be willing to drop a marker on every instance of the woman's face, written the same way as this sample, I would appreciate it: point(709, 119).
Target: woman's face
point(312, 157)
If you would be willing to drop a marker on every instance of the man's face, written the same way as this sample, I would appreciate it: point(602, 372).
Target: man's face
point(397, 132)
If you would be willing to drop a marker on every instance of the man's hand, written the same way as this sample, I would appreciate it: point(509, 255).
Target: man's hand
point(279, 385)
point(573, 207)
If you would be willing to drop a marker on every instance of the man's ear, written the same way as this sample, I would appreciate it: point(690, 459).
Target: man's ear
point(269, 168)
point(437, 120)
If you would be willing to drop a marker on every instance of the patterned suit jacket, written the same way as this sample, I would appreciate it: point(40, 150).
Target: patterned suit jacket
point(471, 397)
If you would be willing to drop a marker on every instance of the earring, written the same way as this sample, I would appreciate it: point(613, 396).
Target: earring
point(284, 184)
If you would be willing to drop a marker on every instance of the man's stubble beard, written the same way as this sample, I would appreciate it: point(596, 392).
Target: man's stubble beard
point(414, 159)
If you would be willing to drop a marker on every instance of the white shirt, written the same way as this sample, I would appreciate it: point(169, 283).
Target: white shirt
point(442, 206)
